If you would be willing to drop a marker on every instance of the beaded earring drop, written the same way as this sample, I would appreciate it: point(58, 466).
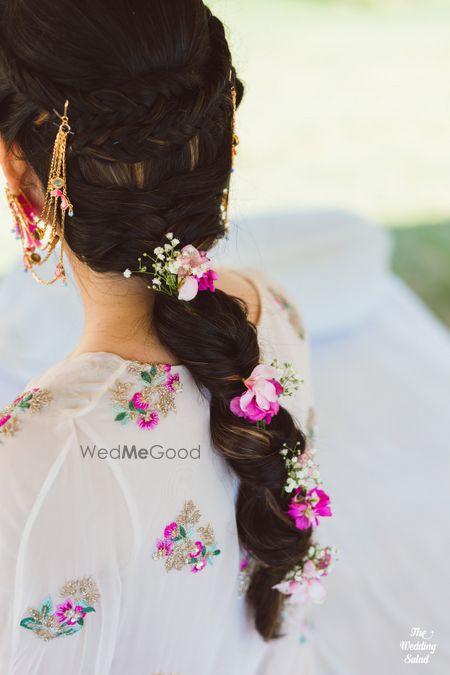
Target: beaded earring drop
point(40, 235)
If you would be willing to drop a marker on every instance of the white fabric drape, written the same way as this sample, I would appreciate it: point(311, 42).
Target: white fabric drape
point(65, 517)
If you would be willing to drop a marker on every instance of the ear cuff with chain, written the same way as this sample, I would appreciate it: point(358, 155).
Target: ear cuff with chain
point(40, 234)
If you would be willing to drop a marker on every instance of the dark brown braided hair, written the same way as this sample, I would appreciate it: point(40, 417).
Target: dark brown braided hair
point(149, 84)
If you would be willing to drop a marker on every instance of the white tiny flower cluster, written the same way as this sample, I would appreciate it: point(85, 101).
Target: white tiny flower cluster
point(163, 267)
point(288, 379)
point(323, 560)
point(302, 470)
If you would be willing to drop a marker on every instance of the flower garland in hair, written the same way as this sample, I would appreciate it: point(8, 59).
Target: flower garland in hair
point(309, 501)
point(177, 272)
point(304, 582)
point(259, 403)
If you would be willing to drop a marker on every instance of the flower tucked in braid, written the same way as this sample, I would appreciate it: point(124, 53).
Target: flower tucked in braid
point(151, 107)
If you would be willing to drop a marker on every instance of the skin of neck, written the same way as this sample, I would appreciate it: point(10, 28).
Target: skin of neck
point(117, 316)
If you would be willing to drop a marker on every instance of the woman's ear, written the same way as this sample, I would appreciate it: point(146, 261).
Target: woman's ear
point(19, 175)
point(14, 168)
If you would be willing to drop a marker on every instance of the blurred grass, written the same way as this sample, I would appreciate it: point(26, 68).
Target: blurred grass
point(422, 259)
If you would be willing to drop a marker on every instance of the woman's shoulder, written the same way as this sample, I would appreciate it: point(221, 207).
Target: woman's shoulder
point(70, 393)
point(267, 300)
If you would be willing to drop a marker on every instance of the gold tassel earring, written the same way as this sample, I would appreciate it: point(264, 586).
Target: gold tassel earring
point(234, 145)
point(39, 236)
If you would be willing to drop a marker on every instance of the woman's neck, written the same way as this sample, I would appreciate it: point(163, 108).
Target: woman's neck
point(118, 317)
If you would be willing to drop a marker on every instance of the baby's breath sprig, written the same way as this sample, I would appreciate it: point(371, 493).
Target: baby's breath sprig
point(162, 267)
point(302, 469)
point(288, 378)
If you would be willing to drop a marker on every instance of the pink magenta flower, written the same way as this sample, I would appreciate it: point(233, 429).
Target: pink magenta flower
point(139, 402)
point(306, 509)
point(169, 530)
point(260, 401)
point(194, 268)
point(197, 552)
point(308, 588)
point(171, 380)
point(66, 612)
point(199, 566)
point(206, 282)
point(4, 420)
point(149, 421)
point(188, 289)
point(164, 545)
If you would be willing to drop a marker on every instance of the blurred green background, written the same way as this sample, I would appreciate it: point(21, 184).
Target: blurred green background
point(347, 106)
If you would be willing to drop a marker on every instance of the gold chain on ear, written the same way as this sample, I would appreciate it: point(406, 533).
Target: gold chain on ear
point(56, 200)
point(39, 236)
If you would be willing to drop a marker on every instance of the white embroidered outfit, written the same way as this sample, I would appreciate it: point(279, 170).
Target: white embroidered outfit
point(111, 563)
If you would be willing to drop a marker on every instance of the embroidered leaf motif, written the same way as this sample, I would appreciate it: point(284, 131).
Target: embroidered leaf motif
point(155, 395)
point(67, 618)
point(32, 401)
point(182, 544)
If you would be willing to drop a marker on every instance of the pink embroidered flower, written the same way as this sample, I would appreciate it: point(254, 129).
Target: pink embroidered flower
point(66, 612)
point(305, 509)
point(150, 421)
point(169, 530)
point(199, 566)
point(199, 549)
point(164, 545)
point(139, 402)
point(260, 401)
point(172, 382)
point(4, 420)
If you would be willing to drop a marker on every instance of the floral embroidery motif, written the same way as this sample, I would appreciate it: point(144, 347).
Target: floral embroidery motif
point(159, 385)
point(184, 545)
point(67, 618)
point(291, 310)
point(33, 401)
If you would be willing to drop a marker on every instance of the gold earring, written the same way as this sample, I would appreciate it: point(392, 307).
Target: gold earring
point(234, 145)
point(40, 236)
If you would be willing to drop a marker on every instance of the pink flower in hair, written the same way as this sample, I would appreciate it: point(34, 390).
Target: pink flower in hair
point(260, 400)
point(194, 268)
point(206, 282)
point(309, 587)
point(305, 509)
